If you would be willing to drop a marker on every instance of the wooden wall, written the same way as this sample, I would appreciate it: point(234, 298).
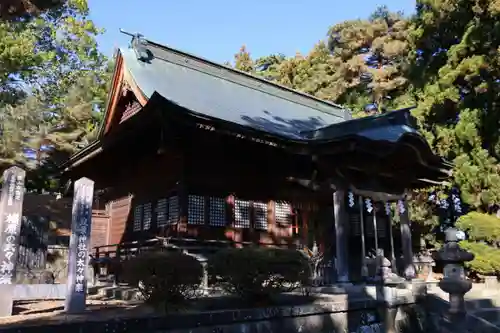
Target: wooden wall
point(160, 197)
point(99, 234)
point(148, 193)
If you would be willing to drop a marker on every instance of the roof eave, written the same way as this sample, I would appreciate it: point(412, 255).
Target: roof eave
point(81, 155)
point(114, 81)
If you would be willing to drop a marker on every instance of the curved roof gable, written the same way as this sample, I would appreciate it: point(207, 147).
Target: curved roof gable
point(215, 91)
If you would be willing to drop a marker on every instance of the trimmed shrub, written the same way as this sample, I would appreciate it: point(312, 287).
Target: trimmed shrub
point(486, 258)
point(480, 227)
point(483, 231)
point(257, 274)
point(165, 279)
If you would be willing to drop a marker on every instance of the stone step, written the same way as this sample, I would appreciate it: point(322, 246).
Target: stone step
point(481, 304)
point(119, 293)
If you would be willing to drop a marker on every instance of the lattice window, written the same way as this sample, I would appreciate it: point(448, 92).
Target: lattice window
point(283, 213)
point(146, 223)
point(260, 213)
point(138, 218)
point(241, 214)
point(196, 209)
point(173, 209)
point(217, 212)
point(162, 212)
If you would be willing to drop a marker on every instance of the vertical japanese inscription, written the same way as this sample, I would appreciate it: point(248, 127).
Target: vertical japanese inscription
point(79, 246)
point(11, 206)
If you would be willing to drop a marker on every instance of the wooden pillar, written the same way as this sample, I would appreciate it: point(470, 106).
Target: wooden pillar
point(409, 268)
point(364, 267)
point(375, 231)
point(76, 292)
point(341, 236)
point(391, 236)
point(11, 207)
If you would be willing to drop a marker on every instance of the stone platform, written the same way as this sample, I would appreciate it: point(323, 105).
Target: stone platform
point(341, 309)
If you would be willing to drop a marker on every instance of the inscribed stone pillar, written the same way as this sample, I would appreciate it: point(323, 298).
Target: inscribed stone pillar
point(406, 243)
point(76, 291)
point(11, 207)
point(341, 236)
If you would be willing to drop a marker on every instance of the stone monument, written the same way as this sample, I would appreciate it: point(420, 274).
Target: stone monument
point(79, 246)
point(11, 208)
point(386, 293)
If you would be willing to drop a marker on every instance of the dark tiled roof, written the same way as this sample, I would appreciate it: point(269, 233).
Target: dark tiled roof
point(214, 92)
point(219, 92)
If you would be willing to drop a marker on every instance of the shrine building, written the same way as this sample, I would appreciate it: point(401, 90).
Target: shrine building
point(201, 155)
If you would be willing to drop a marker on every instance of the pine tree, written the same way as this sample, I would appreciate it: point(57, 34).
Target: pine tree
point(445, 60)
point(243, 61)
point(54, 54)
point(372, 56)
point(457, 71)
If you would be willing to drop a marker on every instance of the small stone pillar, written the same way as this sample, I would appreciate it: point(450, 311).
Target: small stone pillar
point(454, 282)
point(386, 276)
point(386, 290)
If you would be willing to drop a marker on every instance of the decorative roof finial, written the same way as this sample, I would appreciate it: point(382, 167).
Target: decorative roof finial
point(138, 45)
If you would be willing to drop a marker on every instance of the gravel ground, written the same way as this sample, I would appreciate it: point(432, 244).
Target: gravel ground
point(52, 311)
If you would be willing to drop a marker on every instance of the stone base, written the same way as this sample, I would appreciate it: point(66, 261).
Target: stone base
point(325, 314)
point(410, 272)
point(344, 284)
point(27, 292)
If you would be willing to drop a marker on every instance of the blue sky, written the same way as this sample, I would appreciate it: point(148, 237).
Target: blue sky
point(216, 29)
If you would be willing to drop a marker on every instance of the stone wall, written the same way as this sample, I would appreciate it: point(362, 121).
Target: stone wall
point(350, 315)
point(439, 320)
point(56, 267)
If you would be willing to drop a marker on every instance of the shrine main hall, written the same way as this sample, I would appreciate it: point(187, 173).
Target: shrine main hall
point(194, 153)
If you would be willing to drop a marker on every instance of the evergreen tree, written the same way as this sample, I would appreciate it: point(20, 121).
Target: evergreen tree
point(445, 61)
point(16, 9)
point(53, 84)
point(372, 60)
point(455, 67)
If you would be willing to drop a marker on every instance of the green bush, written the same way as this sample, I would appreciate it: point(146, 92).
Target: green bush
point(164, 278)
point(257, 274)
point(480, 227)
point(483, 232)
point(486, 258)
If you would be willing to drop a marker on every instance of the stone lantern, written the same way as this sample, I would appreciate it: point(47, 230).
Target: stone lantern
point(454, 282)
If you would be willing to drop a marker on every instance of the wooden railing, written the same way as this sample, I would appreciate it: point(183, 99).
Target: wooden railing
point(189, 244)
